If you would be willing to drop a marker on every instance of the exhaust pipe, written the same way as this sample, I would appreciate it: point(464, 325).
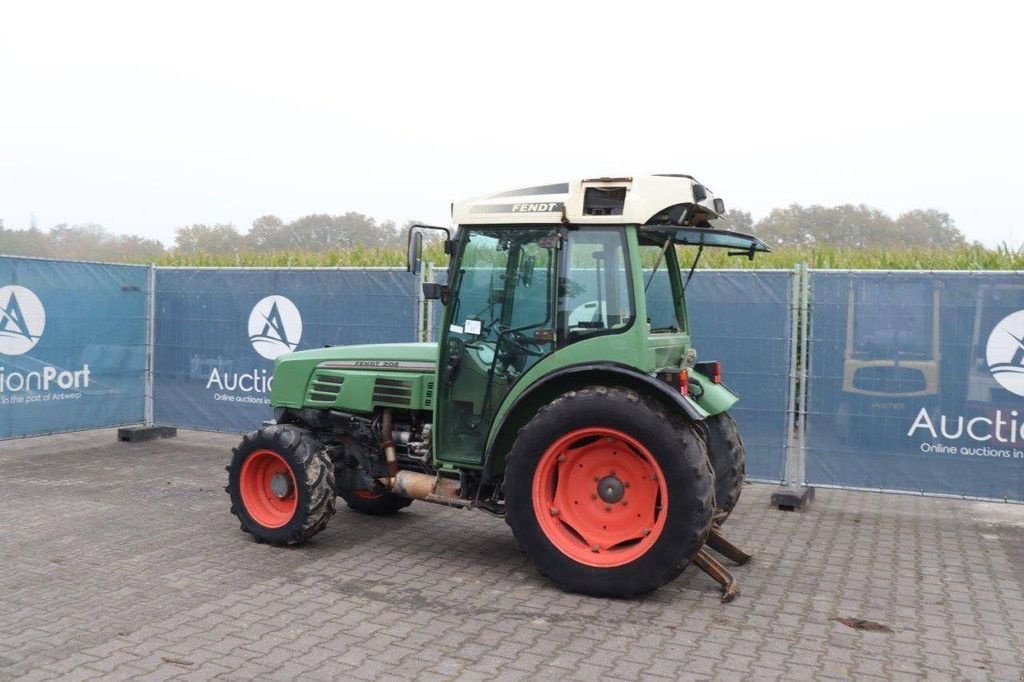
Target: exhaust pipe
point(389, 448)
point(417, 486)
point(412, 484)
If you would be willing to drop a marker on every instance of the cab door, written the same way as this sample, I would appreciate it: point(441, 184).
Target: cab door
point(499, 321)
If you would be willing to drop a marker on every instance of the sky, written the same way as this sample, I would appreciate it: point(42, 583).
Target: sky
point(146, 116)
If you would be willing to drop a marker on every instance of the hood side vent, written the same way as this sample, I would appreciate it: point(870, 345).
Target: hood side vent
point(325, 388)
point(393, 391)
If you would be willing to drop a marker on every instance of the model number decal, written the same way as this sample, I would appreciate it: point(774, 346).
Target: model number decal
point(378, 364)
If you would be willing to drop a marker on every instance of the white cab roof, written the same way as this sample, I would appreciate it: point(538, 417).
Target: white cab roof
point(645, 196)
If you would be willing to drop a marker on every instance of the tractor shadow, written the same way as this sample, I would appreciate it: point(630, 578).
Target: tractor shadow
point(453, 563)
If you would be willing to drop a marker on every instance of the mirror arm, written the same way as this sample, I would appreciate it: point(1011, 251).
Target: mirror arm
point(417, 226)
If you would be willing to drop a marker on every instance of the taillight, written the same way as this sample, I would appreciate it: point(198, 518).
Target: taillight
point(716, 372)
point(684, 382)
point(712, 369)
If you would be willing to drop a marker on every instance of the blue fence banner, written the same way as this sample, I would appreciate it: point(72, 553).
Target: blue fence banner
point(218, 331)
point(917, 382)
point(741, 318)
point(72, 345)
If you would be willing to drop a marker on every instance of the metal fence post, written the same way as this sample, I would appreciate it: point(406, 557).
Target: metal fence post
point(150, 329)
point(418, 317)
point(790, 474)
point(805, 374)
point(795, 495)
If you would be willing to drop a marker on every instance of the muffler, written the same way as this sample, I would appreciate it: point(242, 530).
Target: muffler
point(437, 488)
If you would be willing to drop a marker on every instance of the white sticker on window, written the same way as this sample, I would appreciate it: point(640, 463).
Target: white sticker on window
point(455, 328)
point(473, 327)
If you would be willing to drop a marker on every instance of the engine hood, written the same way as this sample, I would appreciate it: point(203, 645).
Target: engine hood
point(347, 377)
point(376, 354)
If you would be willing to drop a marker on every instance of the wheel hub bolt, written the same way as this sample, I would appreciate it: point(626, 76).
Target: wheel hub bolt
point(646, 531)
point(561, 458)
point(595, 549)
point(554, 511)
point(280, 485)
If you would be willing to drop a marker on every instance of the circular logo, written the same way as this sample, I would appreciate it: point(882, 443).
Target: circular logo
point(1005, 352)
point(275, 327)
point(22, 319)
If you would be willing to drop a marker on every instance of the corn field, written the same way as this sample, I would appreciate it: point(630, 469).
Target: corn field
point(963, 258)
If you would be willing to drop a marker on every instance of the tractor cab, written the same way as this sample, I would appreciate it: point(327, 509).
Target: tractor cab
point(545, 279)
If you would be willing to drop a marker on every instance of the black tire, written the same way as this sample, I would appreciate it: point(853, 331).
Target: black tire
point(378, 503)
point(676, 447)
point(313, 474)
point(728, 459)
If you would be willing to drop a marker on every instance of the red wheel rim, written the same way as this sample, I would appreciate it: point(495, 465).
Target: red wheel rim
point(268, 489)
point(600, 497)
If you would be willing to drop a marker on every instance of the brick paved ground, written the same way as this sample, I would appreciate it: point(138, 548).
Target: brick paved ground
point(121, 560)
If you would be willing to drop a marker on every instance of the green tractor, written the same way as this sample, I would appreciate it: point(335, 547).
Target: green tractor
point(563, 395)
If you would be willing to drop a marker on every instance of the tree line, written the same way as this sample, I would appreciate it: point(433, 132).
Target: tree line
point(849, 226)
point(846, 226)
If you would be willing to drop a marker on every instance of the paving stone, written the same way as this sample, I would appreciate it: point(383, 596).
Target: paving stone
point(139, 571)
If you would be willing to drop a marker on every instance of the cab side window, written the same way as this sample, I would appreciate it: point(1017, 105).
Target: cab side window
point(663, 310)
point(594, 294)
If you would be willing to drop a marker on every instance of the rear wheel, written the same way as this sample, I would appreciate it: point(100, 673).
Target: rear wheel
point(728, 459)
point(376, 503)
point(281, 484)
point(608, 495)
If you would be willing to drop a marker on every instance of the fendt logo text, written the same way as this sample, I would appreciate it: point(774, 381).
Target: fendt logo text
point(22, 319)
point(275, 327)
point(1005, 353)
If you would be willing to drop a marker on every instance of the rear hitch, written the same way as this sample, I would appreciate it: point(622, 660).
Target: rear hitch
point(714, 568)
point(718, 542)
point(710, 565)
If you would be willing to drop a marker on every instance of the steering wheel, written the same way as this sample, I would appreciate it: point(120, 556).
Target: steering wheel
point(518, 341)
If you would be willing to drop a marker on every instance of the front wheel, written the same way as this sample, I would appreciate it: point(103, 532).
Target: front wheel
point(281, 483)
point(608, 495)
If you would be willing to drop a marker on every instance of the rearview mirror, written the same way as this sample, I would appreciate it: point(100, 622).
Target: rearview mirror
point(414, 250)
point(414, 253)
point(432, 291)
point(719, 206)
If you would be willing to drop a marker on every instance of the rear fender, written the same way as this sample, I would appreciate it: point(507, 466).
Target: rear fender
point(713, 398)
point(575, 377)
